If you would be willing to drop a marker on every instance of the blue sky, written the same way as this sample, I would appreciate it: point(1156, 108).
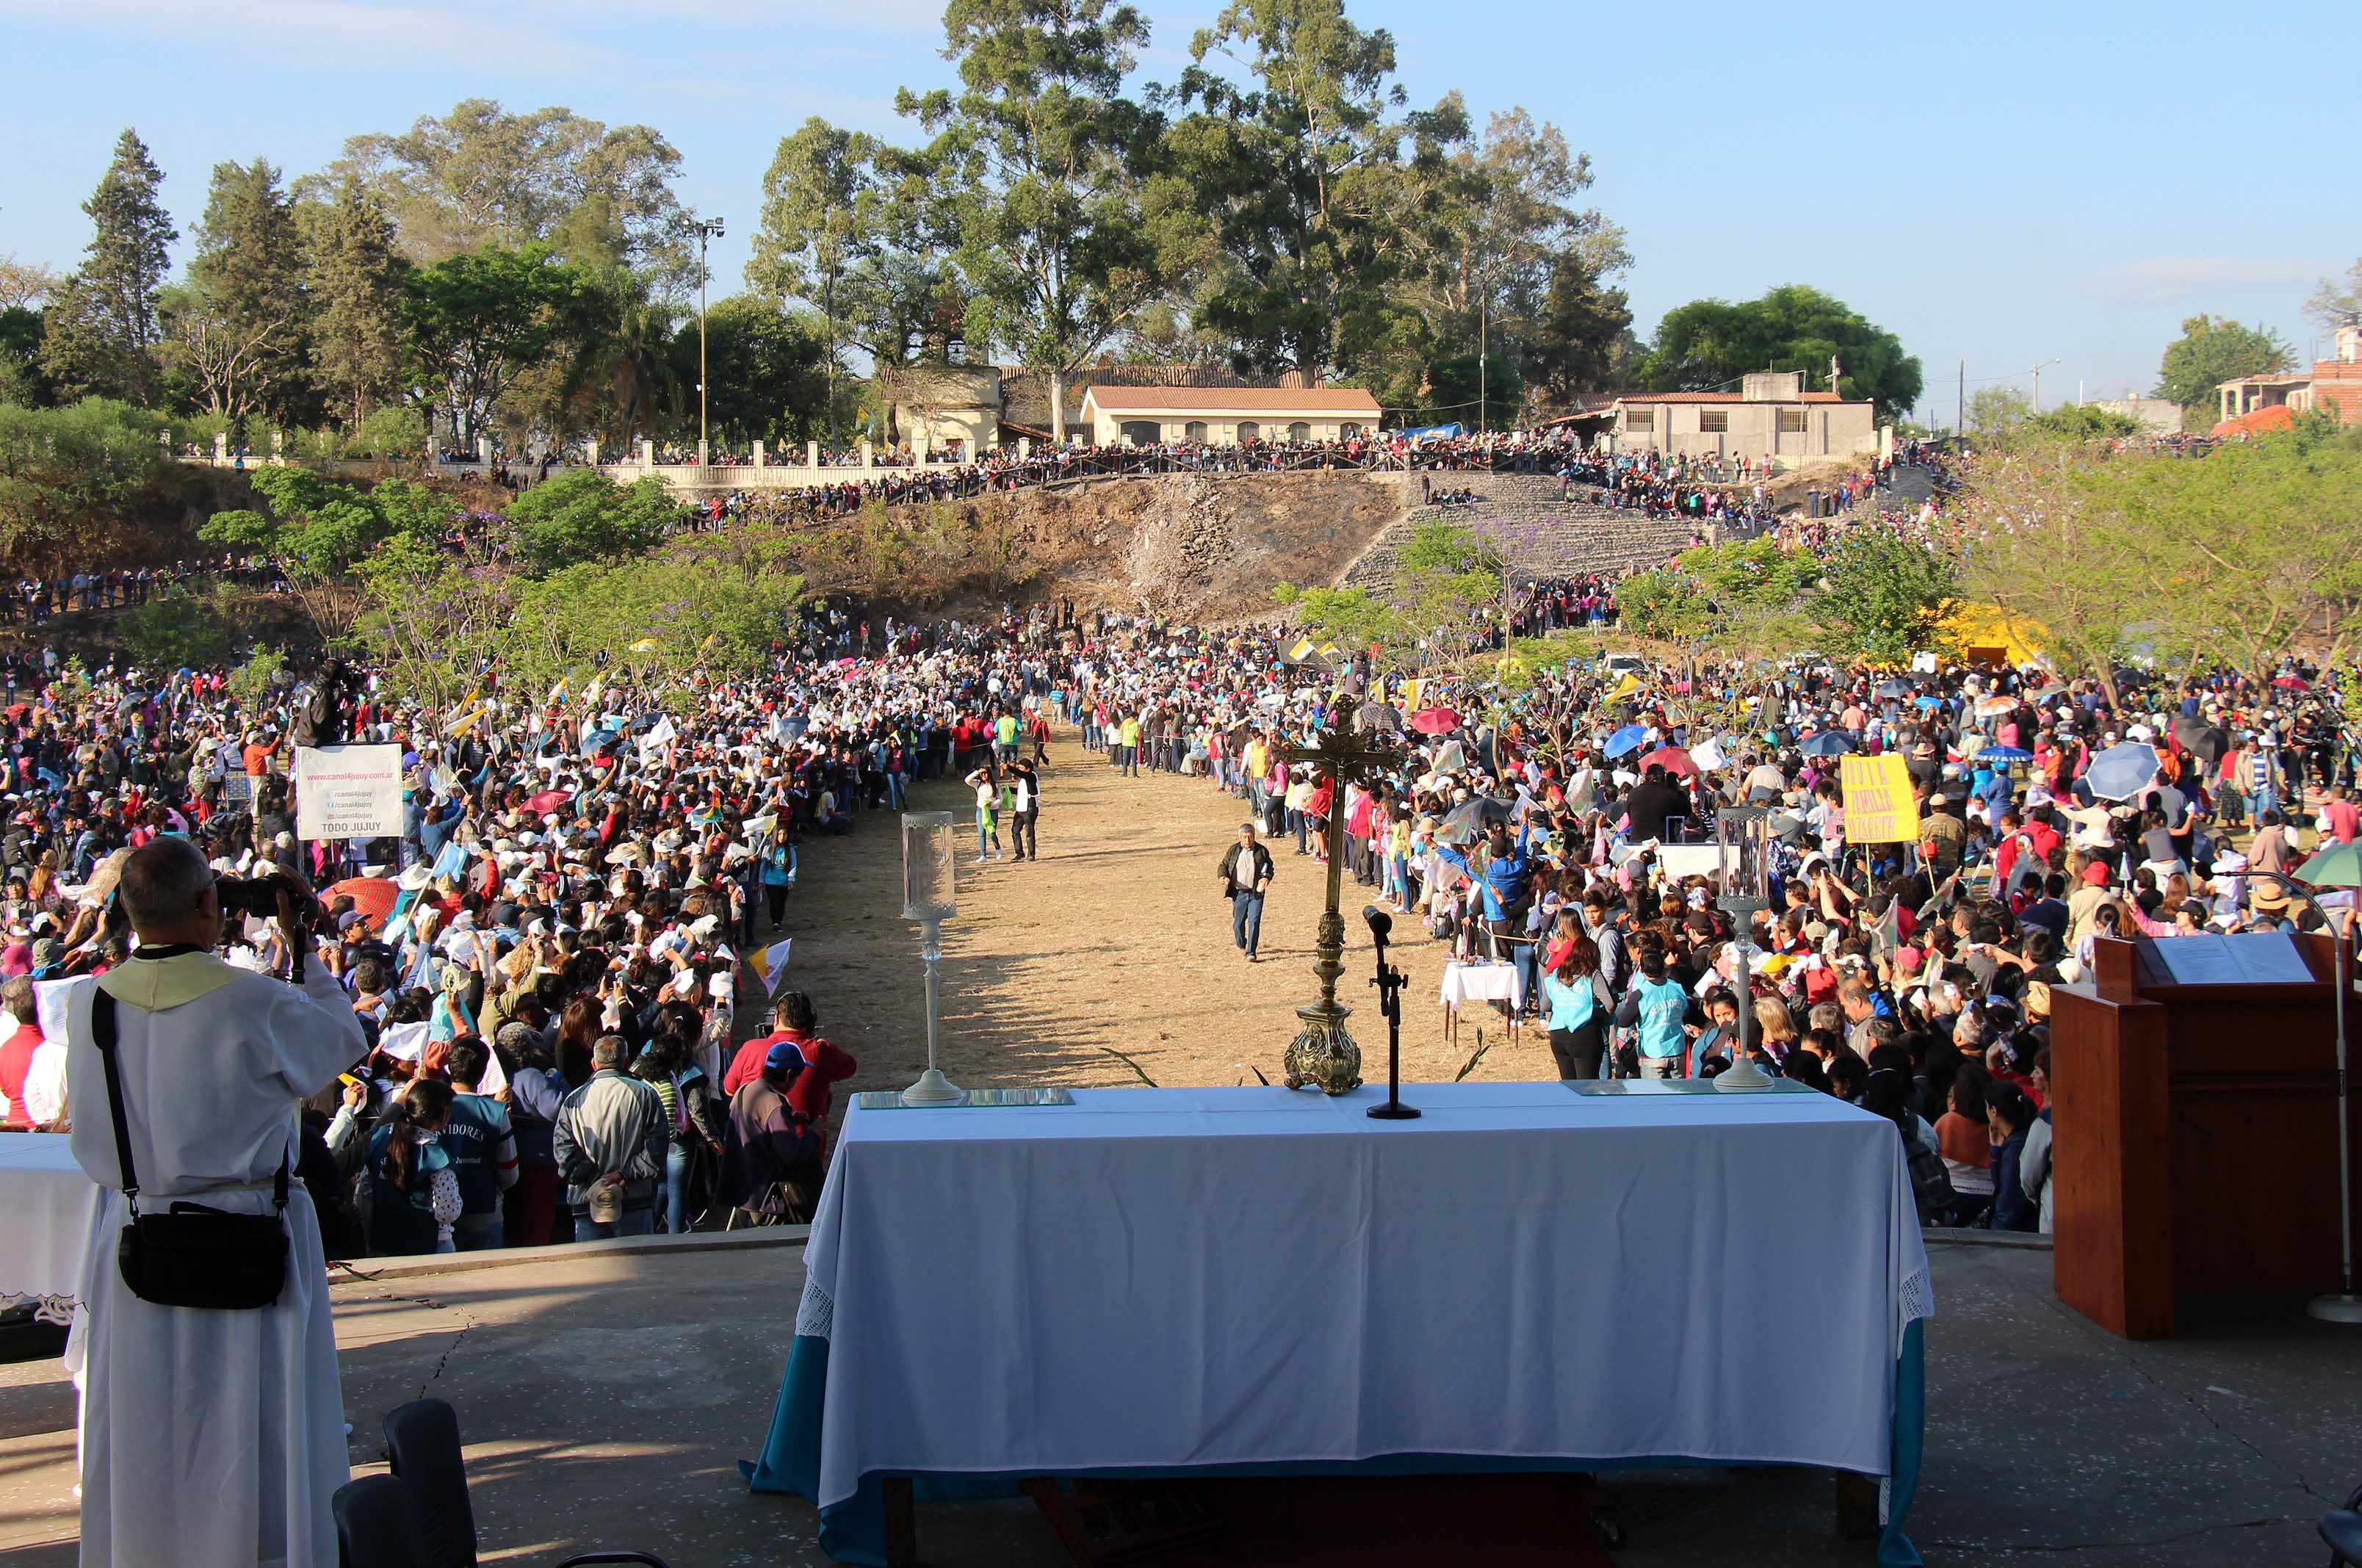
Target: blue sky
point(2005, 184)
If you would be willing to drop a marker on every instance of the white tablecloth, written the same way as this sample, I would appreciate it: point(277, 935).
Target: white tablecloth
point(51, 1206)
point(1483, 983)
point(1202, 1276)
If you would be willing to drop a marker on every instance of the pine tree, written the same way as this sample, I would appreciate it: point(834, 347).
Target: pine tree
point(243, 333)
point(105, 331)
point(357, 290)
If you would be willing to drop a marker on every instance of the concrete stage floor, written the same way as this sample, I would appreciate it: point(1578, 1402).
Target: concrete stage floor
point(606, 1393)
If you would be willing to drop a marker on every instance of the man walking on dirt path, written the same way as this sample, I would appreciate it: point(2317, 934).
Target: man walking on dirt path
point(1246, 877)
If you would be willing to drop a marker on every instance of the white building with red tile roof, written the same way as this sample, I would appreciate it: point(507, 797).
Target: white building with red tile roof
point(1146, 417)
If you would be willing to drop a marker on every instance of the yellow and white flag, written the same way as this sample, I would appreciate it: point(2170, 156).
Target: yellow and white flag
point(646, 645)
point(771, 962)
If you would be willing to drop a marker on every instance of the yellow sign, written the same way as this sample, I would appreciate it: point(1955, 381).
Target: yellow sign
point(1879, 804)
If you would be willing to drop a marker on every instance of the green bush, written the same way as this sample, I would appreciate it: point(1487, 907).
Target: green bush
point(178, 629)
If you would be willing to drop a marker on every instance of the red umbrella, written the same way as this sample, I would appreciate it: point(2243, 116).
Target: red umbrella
point(1671, 758)
point(1435, 721)
point(548, 800)
point(2290, 683)
point(18, 710)
point(373, 895)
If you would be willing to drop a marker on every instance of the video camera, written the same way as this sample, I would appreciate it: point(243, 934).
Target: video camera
point(258, 896)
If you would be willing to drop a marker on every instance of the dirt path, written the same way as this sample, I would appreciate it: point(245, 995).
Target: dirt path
point(1117, 938)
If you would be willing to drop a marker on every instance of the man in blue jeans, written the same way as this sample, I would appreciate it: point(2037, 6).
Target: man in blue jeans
point(1246, 875)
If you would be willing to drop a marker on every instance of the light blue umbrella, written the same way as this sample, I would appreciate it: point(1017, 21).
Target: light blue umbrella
point(1928, 702)
point(1626, 739)
point(1828, 743)
point(2122, 771)
point(2004, 753)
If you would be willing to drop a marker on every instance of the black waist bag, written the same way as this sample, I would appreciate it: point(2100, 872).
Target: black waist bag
point(190, 1255)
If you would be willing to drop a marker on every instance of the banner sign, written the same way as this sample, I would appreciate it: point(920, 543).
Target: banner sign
point(348, 792)
point(1879, 807)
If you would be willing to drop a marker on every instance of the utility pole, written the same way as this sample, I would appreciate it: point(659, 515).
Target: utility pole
point(2038, 382)
point(1960, 410)
point(707, 228)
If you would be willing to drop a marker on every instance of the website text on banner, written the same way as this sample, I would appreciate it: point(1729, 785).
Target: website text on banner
point(1879, 807)
point(348, 792)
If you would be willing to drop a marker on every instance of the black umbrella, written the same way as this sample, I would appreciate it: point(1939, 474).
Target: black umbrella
point(1894, 688)
point(2206, 741)
point(1469, 819)
point(1378, 716)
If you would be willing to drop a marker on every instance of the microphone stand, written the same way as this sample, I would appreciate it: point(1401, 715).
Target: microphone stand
point(1390, 982)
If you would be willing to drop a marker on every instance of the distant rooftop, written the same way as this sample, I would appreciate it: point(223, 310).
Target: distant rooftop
point(1313, 400)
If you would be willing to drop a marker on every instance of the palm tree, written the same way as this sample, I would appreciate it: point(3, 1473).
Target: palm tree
point(636, 368)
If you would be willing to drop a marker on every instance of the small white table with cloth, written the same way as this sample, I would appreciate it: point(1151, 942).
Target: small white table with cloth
point(51, 1206)
point(1467, 980)
point(1253, 1280)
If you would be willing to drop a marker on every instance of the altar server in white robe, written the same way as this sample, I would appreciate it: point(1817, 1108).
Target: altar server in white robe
point(212, 1439)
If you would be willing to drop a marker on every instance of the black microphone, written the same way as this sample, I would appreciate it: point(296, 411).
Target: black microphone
point(1381, 922)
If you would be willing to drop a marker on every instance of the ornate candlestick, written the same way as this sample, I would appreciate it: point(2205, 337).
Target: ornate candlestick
point(1323, 1054)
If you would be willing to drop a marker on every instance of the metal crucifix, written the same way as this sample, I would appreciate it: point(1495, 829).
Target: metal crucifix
point(1323, 1054)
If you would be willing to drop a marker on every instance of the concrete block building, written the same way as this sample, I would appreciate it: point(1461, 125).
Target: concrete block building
point(1769, 417)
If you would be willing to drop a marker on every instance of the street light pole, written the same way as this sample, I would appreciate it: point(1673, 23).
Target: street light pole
point(707, 228)
point(1483, 343)
point(2344, 1307)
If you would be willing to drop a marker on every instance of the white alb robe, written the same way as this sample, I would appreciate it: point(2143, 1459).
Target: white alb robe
point(210, 1439)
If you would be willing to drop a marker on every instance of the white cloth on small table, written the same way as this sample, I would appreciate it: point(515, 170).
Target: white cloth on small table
point(1203, 1276)
point(1466, 982)
point(51, 1208)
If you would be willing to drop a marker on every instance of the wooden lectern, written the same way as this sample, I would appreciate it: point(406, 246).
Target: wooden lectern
point(2194, 1109)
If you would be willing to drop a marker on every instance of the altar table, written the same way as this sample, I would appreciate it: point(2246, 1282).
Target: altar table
point(1251, 1280)
point(51, 1208)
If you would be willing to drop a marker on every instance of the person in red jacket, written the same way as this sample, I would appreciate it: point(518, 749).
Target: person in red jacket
point(824, 1065)
point(17, 1050)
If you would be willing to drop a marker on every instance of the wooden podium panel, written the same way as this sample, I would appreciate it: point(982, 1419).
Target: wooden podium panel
point(2196, 1137)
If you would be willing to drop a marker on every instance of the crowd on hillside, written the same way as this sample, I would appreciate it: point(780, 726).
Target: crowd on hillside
point(1731, 492)
point(33, 600)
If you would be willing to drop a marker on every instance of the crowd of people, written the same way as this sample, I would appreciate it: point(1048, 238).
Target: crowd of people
point(1914, 978)
point(550, 963)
